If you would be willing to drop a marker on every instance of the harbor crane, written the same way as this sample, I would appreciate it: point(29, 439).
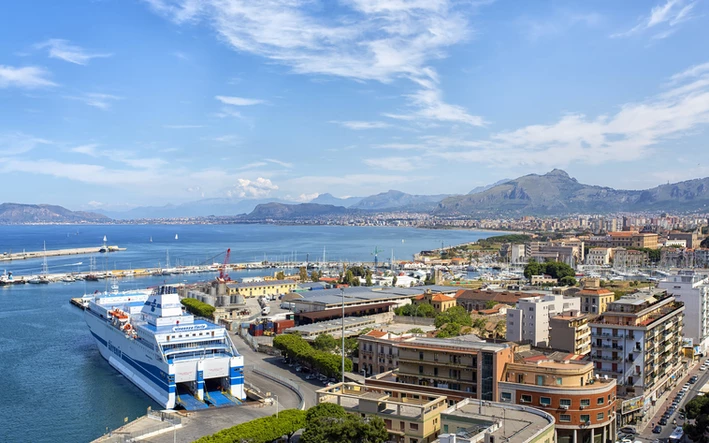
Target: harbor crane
point(223, 276)
point(376, 259)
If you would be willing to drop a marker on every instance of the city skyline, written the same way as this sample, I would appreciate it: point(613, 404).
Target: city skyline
point(111, 105)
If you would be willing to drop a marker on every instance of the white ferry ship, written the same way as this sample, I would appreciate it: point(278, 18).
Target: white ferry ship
point(174, 358)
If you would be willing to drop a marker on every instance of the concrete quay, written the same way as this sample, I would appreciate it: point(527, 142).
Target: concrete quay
point(10, 256)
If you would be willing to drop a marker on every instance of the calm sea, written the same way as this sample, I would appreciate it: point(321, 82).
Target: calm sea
point(57, 387)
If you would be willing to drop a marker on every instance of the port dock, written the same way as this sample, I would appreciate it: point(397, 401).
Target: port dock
point(10, 256)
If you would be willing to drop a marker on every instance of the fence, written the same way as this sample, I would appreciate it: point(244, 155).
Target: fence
point(285, 382)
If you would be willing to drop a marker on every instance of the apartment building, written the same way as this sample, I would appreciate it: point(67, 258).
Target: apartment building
point(692, 289)
point(625, 239)
point(628, 259)
point(478, 299)
point(378, 352)
point(638, 341)
point(598, 256)
point(691, 239)
point(570, 332)
point(569, 252)
point(529, 321)
point(594, 300)
point(477, 421)
point(583, 405)
point(439, 301)
point(409, 416)
point(457, 368)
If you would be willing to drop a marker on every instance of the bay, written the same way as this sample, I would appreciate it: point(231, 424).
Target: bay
point(57, 387)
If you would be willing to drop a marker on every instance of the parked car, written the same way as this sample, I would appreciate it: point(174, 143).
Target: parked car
point(310, 376)
point(657, 429)
point(693, 379)
point(628, 430)
point(663, 421)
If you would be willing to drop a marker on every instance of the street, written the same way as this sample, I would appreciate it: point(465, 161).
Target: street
point(666, 400)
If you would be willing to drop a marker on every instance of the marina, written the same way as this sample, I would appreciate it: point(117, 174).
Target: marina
point(11, 256)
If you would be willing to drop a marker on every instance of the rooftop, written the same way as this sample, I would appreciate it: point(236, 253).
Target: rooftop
point(258, 284)
point(507, 422)
point(453, 344)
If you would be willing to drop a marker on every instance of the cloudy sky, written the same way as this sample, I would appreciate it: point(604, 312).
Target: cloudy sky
point(118, 103)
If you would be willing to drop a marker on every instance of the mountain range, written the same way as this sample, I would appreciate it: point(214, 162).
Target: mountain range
point(553, 193)
point(16, 213)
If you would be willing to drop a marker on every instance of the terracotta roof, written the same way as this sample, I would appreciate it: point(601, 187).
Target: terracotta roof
point(599, 291)
point(376, 333)
point(442, 297)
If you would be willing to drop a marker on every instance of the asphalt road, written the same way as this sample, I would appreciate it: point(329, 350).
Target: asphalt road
point(646, 434)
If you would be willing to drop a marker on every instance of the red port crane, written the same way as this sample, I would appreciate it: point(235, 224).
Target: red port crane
point(223, 276)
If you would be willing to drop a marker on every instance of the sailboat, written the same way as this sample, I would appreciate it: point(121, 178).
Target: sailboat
point(91, 276)
point(151, 239)
point(175, 236)
point(104, 248)
point(43, 278)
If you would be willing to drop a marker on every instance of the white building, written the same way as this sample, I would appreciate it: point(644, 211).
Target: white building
point(692, 289)
point(598, 256)
point(530, 320)
point(517, 253)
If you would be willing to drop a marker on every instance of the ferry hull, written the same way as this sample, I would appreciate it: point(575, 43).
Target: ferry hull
point(149, 375)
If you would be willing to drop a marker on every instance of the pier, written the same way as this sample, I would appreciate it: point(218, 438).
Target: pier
point(10, 256)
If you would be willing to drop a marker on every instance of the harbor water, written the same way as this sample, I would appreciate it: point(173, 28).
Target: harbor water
point(56, 385)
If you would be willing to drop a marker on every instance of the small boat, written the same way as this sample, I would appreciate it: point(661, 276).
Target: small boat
point(38, 280)
point(176, 237)
point(151, 239)
point(68, 279)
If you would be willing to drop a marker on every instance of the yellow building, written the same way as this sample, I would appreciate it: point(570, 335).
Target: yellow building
point(255, 289)
point(440, 302)
point(410, 417)
point(595, 301)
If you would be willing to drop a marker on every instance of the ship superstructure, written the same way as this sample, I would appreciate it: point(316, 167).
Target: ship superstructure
point(175, 358)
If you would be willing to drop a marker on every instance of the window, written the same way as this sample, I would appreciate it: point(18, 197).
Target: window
point(585, 402)
point(565, 402)
point(445, 429)
point(558, 381)
point(435, 371)
point(520, 378)
point(420, 355)
point(526, 398)
point(564, 417)
point(506, 396)
point(545, 401)
point(600, 400)
point(540, 380)
point(531, 309)
point(420, 369)
point(414, 426)
point(585, 418)
point(599, 417)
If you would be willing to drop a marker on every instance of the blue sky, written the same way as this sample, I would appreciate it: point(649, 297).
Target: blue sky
point(118, 103)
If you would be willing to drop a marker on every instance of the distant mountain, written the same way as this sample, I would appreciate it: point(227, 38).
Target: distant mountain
point(399, 200)
point(480, 189)
point(198, 208)
point(279, 211)
point(329, 199)
point(557, 193)
point(16, 213)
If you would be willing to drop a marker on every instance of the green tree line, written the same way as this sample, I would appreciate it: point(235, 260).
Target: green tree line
point(556, 269)
point(261, 430)
point(197, 307)
point(294, 346)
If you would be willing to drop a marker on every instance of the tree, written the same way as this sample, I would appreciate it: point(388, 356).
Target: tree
point(280, 275)
point(558, 270)
point(532, 268)
point(330, 423)
point(480, 324)
point(198, 308)
point(303, 274)
point(697, 409)
point(368, 279)
point(415, 331)
point(261, 430)
point(325, 342)
point(393, 281)
point(456, 314)
point(500, 329)
point(315, 276)
point(568, 281)
point(490, 304)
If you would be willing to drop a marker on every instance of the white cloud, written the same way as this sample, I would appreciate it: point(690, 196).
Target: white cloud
point(28, 77)
point(369, 40)
point(94, 204)
point(228, 112)
point(63, 50)
point(694, 71)
point(251, 166)
point(394, 163)
point(239, 101)
point(428, 104)
point(97, 100)
point(89, 149)
point(361, 125)
point(183, 126)
point(245, 188)
point(280, 163)
point(18, 143)
point(181, 55)
point(669, 14)
point(303, 198)
point(229, 138)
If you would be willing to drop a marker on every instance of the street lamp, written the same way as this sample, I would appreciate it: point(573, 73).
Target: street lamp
point(342, 292)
